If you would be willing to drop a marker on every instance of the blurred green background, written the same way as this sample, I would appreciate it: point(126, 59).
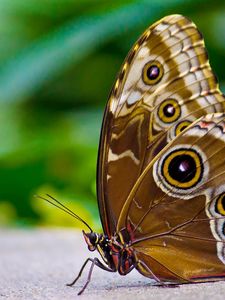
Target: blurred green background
point(58, 61)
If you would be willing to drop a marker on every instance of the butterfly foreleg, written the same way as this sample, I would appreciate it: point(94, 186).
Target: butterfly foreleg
point(94, 262)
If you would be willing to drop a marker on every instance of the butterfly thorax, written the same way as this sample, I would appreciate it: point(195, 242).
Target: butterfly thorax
point(117, 255)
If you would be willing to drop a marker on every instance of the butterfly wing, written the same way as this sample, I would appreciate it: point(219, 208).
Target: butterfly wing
point(164, 85)
point(175, 214)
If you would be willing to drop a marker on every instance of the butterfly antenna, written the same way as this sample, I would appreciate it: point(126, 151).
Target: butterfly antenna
point(62, 207)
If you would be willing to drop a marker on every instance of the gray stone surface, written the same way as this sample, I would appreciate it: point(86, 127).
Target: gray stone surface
point(36, 264)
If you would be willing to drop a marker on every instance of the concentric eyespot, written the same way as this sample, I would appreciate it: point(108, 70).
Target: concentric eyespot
point(169, 111)
point(181, 126)
point(182, 168)
point(152, 72)
point(220, 205)
point(216, 213)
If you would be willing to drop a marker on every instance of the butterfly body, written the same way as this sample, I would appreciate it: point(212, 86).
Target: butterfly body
point(117, 256)
point(161, 163)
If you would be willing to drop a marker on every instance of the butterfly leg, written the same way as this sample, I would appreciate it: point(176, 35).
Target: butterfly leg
point(94, 262)
point(158, 281)
point(144, 266)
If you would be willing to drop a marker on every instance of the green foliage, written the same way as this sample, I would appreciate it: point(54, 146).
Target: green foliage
point(58, 60)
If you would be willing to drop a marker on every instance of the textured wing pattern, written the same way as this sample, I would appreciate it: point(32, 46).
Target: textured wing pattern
point(175, 214)
point(164, 85)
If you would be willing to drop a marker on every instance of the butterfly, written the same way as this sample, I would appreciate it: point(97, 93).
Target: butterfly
point(161, 162)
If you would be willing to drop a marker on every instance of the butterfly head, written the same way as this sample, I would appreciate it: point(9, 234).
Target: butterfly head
point(91, 239)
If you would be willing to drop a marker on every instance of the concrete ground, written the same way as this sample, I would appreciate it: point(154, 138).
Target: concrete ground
point(36, 264)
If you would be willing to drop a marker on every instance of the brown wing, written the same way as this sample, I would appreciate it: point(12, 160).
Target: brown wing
point(164, 85)
point(175, 214)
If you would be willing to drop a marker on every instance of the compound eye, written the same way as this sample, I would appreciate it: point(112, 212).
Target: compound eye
point(152, 72)
point(181, 126)
point(169, 111)
point(182, 168)
point(220, 204)
point(92, 238)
